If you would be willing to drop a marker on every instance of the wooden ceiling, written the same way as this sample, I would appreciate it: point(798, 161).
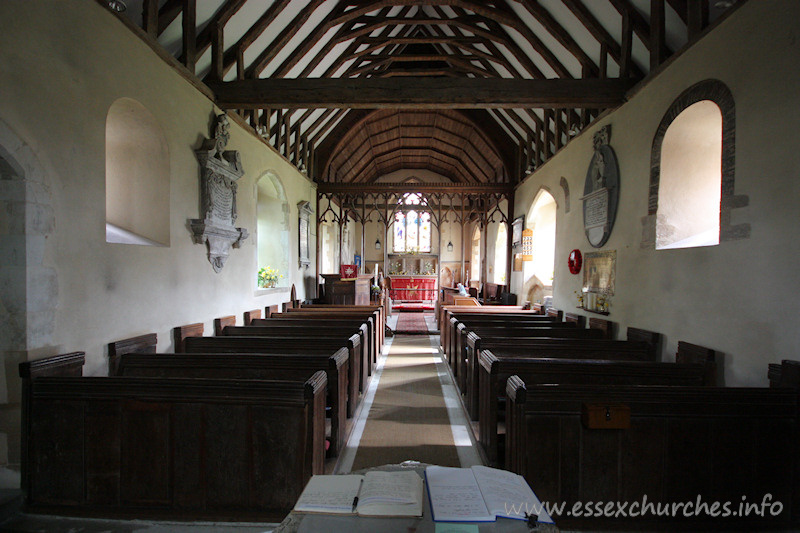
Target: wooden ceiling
point(478, 92)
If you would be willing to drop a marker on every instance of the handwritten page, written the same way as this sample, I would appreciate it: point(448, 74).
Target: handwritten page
point(329, 494)
point(391, 494)
point(390, 487)
point(455, 495)
point(508, 494)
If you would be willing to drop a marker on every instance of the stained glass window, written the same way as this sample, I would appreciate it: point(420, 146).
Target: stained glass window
point(400, 232)
point(412, 230)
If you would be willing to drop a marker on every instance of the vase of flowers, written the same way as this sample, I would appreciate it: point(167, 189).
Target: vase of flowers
point(268, 277)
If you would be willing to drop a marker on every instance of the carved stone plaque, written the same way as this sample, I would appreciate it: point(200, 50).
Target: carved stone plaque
point(601, 191)
point(220, 170)
point(305, 211)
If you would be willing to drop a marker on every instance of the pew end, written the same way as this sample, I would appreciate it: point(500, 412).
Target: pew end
point(181, 333)
point(249, 316)
point(142, 344)
point(652, 339)
point(221, 322)
point(784, 375)
point(689, 353)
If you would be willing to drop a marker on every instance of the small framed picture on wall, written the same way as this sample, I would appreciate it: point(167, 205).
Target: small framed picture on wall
point(516, 231)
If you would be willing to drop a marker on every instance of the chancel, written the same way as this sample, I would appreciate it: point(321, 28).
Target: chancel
point(250, 242)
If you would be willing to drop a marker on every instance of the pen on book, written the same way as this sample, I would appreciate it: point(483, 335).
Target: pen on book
point(355, 503)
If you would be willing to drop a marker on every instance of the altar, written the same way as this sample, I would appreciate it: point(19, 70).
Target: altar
point(416, 288)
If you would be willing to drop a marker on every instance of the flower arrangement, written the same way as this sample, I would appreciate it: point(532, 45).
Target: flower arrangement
point(268, 277)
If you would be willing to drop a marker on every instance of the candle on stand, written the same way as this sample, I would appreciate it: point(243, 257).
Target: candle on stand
point(376, 273)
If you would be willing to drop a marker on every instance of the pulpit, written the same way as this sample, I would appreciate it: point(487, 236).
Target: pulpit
point(416, 288)
point(354, 291)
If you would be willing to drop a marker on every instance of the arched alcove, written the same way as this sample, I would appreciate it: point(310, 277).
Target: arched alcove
point(137, 176)
point(710, 93)
point(691, 174)
point(272, 226)
point(539, 272)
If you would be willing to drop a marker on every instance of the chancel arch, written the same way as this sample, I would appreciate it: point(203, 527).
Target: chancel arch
point(272, 212)
point(137, 176)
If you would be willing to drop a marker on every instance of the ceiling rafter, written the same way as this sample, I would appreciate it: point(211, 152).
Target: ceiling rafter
point(458, 43)
point(269, 53)
point(254, 32)
point(559, 33)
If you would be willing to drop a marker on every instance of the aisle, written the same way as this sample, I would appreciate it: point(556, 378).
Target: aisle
point(410, 412)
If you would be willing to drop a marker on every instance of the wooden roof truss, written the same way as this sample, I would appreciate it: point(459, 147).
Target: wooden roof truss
point(278, 66)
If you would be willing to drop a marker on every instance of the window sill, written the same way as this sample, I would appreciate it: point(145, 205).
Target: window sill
point(272, 290)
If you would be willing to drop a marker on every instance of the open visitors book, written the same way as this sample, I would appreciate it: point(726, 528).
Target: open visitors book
point(480, 494)
point(373, 494)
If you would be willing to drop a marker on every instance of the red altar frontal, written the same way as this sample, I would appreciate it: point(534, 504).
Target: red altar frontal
point(412, 288)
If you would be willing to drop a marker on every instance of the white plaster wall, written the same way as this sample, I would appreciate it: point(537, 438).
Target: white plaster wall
point(61, 67)
point(738, 297)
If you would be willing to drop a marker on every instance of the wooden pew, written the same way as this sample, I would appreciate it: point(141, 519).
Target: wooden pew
point(580, 320)
point(452, 343)
point(461, 326)
point(443, 309)
point(181, 332)
point(495, 371)
point(513, 328)
point(670, 444)
point(284, 345)
point(222, 322)
point(169, 448)
point(376, 307)
point(275, 327)
point(785, 374)
point(606, 326)
point(489, 313)
point(558, 343)
point(284, 367)
point(249, 316)
point(642, 345)
point(372, 316)
point(141, 344)
point(555, 313)
point(62, 365)
point(370, 347)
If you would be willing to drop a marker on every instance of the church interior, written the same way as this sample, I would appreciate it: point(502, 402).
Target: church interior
point(248, 242)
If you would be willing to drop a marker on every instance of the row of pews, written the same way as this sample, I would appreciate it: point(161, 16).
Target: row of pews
point(229, 427)
point(589, 419)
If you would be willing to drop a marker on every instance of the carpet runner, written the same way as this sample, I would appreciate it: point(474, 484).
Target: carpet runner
point(408, 418)
point(411, 323)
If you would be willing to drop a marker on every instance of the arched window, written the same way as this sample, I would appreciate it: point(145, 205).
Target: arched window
point(539, 272)
point(412, 227)
point(476, 255)
point(272, 212)
point(137, 176)
point(329, 247)
point(500, 251)
point(692, 172)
